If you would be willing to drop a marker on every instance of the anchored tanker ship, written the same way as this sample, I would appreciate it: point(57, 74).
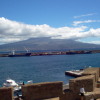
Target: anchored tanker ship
point(13, 54)
point(19, 55)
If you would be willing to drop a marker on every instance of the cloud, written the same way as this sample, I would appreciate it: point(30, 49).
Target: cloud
point(93, 32)
point(12, 31)
point(94, 42)
point(91, 14)
point(75, 23)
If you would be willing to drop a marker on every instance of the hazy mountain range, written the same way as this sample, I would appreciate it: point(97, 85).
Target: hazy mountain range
point(45, 43)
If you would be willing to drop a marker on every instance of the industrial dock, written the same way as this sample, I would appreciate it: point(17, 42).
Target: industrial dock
point(70, 52)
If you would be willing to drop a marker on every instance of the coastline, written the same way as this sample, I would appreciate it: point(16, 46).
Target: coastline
point(71, 52)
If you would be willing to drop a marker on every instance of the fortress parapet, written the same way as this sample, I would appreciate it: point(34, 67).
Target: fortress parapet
point(6, 93)
point(57, 91)
point(42, 90)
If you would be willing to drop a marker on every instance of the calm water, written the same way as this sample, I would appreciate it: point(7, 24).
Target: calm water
point(44, 68)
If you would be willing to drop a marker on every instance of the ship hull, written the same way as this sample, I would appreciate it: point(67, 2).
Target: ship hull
point(19, 55)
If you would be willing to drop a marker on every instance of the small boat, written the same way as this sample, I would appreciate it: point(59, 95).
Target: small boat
point(16, 86)
point(75, 73)
point(12, 83)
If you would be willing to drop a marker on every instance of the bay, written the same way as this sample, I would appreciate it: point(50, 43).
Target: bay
point(44, 68)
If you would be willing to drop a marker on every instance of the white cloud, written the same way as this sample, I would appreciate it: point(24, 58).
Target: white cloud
point(93, 42)
point(12, 31)
point(75, 23)
point(91, 14)
point(94, 32)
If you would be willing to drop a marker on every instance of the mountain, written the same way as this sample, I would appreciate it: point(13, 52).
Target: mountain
point(46, 43)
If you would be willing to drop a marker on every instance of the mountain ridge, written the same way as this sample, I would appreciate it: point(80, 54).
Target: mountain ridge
point(46, 43)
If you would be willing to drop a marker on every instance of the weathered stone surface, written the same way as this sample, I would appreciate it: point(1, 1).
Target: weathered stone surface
point(42, 90)
point(67, 96)
point(87, 81)
point(98, 85)
point(94, 94)
point(50, 90)
point(92, 71)
point(6, 93)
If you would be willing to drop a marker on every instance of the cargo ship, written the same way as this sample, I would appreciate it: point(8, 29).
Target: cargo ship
point(13, 54)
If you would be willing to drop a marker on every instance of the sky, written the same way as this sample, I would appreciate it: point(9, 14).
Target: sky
point(78, 20)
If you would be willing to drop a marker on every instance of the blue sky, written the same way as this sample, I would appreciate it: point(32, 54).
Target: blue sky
point(58, 19)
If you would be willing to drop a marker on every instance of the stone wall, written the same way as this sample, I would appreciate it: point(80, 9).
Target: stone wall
point(6, 93)
point(87, 81)
point(48, 90)
point(92, 71)
point(42, 90)
point(98, 85)
point(67, 95)
point(76, 84)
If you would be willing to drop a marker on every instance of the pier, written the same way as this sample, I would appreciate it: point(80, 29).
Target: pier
point(75, 73)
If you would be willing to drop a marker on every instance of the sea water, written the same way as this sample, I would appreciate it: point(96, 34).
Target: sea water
point(44, 68)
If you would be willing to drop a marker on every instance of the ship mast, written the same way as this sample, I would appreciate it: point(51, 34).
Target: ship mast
point(13, 52)
point(26, 50)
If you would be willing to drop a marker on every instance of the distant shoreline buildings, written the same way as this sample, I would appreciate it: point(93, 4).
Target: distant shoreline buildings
point(70, 52)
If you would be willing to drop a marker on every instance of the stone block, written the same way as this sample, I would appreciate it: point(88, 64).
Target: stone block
point(87, 81)
point(68, 96)
point(42, 90)
point(98, 85)
point(6, 93)
point(92, 71)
